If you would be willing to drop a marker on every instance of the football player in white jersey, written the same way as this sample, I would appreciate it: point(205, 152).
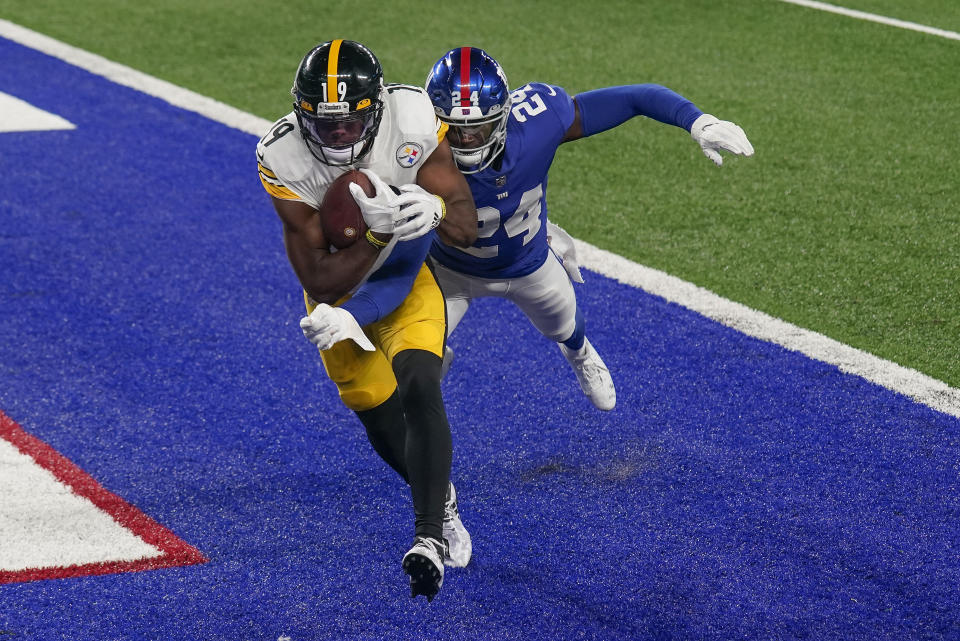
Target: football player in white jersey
point(375, 310)
point(504, 142)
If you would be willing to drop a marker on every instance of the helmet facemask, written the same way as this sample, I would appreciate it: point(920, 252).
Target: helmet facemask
point(334, 134)
point(475, 142)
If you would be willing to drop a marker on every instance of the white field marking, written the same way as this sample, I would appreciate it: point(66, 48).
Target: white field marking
point(171, 93)
point(751, 322)
point(17, 115)
point(872, 17)
point(43, 523)
point(918, 386)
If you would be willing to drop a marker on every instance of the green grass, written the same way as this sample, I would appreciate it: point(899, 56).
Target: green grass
point(845, 222)
point(940, 14)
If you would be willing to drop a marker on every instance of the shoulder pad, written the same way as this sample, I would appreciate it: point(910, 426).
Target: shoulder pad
point(413, 109)
point(540, 88)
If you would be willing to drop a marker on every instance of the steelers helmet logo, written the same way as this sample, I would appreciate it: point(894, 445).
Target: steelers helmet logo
point(408, 154)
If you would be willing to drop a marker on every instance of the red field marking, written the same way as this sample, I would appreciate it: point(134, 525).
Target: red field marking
point(174, 550)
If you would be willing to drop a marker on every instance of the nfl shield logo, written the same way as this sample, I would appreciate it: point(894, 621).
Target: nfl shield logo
point(501, 181)
point(408, 154)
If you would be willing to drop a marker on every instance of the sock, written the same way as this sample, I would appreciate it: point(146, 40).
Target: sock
point(575, 342)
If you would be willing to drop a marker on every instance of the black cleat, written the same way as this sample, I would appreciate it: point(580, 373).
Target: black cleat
point(424, 564)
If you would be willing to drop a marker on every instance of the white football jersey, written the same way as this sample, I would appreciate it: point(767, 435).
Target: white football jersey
point(409, 132)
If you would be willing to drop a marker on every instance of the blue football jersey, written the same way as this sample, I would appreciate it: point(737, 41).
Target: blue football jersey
point(511, 196)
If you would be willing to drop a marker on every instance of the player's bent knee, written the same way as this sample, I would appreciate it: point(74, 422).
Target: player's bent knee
point(364, 379)
point(418, 375)
point(365, 397)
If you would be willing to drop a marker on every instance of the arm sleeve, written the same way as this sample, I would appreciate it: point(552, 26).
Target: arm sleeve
point(603, 109)
point(389, 286)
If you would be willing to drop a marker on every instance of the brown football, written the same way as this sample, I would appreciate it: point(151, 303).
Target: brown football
point(340, 215)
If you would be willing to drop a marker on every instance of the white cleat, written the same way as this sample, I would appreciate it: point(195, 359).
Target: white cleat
point(423, 563)
point(447, 361)
point(594, 377)
point(459, 546)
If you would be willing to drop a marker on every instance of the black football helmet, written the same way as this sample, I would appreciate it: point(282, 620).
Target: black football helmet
point(338, 102)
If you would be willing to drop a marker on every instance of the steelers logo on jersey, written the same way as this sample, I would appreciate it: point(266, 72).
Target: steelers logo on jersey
point(409, 154)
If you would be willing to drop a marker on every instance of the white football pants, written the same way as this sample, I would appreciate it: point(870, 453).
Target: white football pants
point(546, 296)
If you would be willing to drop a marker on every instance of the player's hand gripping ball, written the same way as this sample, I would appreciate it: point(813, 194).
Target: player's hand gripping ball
point(340, 215)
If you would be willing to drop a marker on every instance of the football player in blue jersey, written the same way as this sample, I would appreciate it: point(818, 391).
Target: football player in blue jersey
point(504, 142)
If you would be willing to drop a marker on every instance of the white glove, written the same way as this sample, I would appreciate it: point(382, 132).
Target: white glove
point(380, 212)
point(327, 325)
point(715, 135)
point(562, 245)
point(420, 212)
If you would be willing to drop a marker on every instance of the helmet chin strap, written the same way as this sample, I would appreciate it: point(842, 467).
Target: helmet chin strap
point(476, 161)
point(469, 160)
point(337, 157)
point(345, 155)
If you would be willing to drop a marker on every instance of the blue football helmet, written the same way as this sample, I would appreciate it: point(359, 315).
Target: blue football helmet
point(470, 93)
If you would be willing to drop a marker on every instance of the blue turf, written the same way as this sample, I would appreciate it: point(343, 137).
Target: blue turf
point(149, 324)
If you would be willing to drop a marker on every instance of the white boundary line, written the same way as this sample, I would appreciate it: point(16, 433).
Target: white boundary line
point(751, 322)
point(872, 17)
point(920, 387)
point(122, 75)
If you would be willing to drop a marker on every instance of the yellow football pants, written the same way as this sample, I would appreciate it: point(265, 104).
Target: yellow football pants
point(366, 379)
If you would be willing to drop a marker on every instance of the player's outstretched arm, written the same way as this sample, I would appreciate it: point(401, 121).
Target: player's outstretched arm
point(326, 277)
point(603, 109)
point(439, 175)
